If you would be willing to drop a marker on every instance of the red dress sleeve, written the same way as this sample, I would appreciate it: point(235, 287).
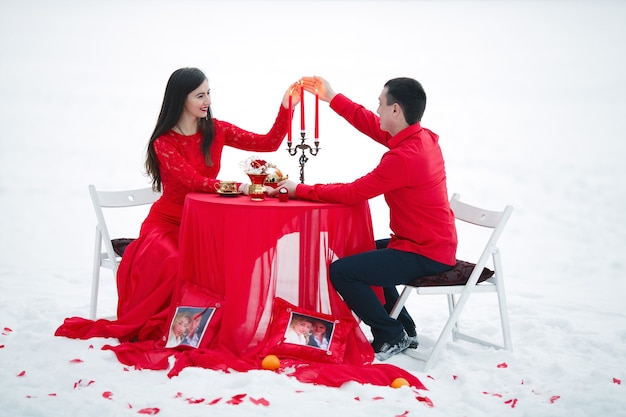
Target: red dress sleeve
point(242, 139)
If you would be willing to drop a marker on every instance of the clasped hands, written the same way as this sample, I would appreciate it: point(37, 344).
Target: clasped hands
point(314, 85)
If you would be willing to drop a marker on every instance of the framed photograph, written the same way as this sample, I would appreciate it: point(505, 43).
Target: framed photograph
point(310, 331)
point(296, 332)
point(189, 325)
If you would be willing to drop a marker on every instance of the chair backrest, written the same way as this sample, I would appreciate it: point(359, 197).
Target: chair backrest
point(494, 220)
point(125, 198)
point(117, 199)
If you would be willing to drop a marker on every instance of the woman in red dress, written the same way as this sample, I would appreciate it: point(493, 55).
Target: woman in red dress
point(183, 156)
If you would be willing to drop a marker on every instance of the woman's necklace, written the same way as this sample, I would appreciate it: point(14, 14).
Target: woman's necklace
point(180, 130)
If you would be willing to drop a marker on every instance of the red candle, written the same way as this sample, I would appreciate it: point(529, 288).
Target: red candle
point(317, 115)
point(302, 109)
point(290, 117)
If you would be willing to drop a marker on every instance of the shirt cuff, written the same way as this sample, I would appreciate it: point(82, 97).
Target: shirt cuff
point(303, 191)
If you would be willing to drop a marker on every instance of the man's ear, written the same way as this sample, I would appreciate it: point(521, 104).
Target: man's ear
point(398, 113)
point(398, 110)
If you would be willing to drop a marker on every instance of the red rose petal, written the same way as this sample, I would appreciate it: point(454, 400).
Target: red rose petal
point(195, 400)
point(617, 381)
point(426, 400)
point(76, 361)
point(215, 401)
point(554, 398)
point(260, 401)
point(1, 346)
point(495, 394)
point(236, 399)
point(378, 398)
point(150, 411)
point(81, 383)
point(108, 395)
point(503, 365)
point(406, 413)
point(513, 402)
point(22, 373)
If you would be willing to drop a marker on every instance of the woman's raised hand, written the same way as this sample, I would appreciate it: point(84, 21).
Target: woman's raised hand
point(295, 90)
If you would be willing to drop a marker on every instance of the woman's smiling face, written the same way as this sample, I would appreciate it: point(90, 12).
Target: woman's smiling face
point(198, 101)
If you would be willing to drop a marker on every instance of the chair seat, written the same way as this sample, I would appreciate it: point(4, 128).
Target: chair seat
point(120, 245)
point(458, 275)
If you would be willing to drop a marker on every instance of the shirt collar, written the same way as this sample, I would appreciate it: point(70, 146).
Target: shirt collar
point(403, 134)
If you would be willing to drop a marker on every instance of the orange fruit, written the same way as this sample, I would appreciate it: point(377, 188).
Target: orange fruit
point(400, 382)
point(270, 362)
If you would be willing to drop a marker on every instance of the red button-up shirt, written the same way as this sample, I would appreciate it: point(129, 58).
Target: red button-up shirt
point(412, 177)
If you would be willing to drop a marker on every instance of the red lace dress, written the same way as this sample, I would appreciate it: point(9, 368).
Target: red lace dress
point(146, 277)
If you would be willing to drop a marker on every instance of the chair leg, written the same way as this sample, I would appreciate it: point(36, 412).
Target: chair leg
point(397, 307)
point(502, 309)
point(451, 306)
point(447, 330)
point(504, 315)
point(95, 275)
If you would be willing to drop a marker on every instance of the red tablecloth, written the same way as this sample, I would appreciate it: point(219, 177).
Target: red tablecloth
point(251, 252)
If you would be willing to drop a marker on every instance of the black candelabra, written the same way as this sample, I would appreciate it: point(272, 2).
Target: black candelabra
point(303, 147)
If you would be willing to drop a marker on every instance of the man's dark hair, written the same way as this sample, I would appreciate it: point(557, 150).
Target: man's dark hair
point(409, 95)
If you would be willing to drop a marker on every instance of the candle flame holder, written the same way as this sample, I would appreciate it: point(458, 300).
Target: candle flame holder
point(302, 146)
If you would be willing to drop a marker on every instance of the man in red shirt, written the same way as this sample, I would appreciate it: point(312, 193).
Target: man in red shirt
point(411, 176)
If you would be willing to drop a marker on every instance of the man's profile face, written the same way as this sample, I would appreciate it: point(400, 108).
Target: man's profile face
point(385, 111)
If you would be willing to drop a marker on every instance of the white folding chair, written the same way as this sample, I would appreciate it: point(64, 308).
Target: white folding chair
point(109, 258)
point(494, 220)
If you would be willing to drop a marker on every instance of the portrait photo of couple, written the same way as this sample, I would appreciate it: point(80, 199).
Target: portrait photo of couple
point(309, 331)
point(188, 326)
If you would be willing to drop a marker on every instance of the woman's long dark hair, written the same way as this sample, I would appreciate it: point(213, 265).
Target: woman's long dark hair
point(182, 82)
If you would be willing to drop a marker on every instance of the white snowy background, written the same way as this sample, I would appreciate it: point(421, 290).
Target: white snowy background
point(528, 100)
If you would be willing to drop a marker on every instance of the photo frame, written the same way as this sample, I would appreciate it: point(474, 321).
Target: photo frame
point(188, 326)
point(279, 340)
point(310, 331)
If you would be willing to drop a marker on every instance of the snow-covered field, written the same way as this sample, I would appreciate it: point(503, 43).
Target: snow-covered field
point(527, 96)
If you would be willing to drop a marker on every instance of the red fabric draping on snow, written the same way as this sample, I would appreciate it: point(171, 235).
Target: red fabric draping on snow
point(143, 303)
point(248, 254)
